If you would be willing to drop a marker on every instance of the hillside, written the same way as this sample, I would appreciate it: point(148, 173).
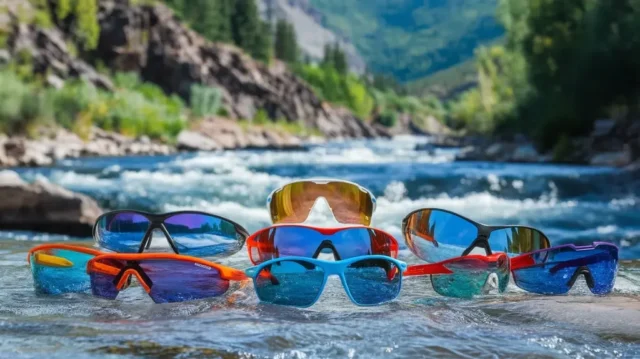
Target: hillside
point(312, 35)
point(411, 39)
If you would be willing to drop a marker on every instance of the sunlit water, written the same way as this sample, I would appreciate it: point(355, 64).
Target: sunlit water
point(570, 204)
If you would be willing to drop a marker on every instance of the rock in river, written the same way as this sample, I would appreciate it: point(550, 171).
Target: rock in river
point(44, 207)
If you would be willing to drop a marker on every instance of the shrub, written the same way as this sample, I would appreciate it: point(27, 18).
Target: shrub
point(20, 107)
point(205, 101)
point(261, 117)
point(388, 119)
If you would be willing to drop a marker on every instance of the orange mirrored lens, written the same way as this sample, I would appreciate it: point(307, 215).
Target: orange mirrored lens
point(349, 204)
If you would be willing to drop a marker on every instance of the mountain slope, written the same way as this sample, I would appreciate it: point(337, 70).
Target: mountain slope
point(311, 34)
point(412, 38)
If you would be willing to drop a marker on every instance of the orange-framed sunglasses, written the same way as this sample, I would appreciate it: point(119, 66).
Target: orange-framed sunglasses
point(165, 277)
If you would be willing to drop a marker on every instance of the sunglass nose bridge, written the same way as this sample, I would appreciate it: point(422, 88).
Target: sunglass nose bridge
point(482, 241)
point(327, 244)
point(584, 270)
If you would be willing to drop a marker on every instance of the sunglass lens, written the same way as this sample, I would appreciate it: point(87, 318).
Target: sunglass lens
point(179, 281)
point(290, 282)
point(202, 235)
point(472, 277)
point(57, 271)
point(121, 231)
point(373, 281)
point(355, 242)
point(604, 269)
point(434, 235)
point(517, 240)
point(103, 274)
point(349, 203)
point(553, 271)
point(284, 241)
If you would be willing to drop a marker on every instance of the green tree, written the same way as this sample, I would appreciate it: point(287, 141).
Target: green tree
point(286, 45)
point(248, 31)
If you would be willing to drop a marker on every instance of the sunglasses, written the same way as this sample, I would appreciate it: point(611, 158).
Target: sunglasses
point(306, 241)
point(435, 235)
point(554, 270)
point(60, 268)
point(350, 203)
point(167, 278)
point(466, 277)
point(188, 232)
point(299, 281)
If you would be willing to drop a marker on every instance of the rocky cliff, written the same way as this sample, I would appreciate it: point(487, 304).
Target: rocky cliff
point(152, 41)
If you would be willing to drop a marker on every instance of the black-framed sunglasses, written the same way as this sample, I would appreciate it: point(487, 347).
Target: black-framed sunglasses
point(194, 233)
point(435, 235)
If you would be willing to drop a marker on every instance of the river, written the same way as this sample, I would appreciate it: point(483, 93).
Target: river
point(569, 203)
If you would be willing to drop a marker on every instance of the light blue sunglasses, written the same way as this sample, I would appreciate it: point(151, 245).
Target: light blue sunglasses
point(299, 281)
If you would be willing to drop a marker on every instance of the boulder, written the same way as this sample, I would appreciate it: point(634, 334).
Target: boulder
point(44, 207)
point(525, 153)
point(194, 141)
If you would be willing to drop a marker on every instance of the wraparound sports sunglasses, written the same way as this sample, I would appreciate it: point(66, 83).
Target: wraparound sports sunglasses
point(165, 277)
point(466, 277)
point(435, 235)
point(554, 270)
point(60, 268)
point(299, 281)
point(307, 241)
point(349, 202)
point(192, 233)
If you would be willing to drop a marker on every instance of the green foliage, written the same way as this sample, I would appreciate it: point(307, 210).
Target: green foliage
point(335, 57)
point(211, 18)
point(388, 119)
point(411, 39)
point(205, 101)
point(261, 117)
point(248, 31)
point(286, 44)
point(19, 106)
point(81, 14)
point(346, 90)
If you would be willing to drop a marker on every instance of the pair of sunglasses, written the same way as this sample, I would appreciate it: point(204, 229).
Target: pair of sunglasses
point(468, 276)
point(167, 278)
point(299, 281)
point(192, 233)
point(306, 241)
point(434, 235)
point(350, 203)
point(554, 270)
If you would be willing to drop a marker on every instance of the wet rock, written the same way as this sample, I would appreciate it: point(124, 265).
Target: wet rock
point(526, 153)
point(45, 207)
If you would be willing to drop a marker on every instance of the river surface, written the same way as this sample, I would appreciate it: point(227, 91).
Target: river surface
point(570, 204)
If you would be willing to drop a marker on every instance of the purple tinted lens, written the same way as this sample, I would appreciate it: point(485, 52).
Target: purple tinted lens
point(102, 285)
point(203, 235)
point(122, 231)
point(178, 281)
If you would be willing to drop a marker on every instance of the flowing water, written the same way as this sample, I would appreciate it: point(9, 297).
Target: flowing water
point(570, 204)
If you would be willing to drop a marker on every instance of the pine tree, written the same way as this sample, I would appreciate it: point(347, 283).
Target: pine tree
point(340, 60)
point(286, 47)
point(246, 26)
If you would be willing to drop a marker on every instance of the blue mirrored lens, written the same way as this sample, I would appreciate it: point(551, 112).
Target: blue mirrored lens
point(122, 232)
point(472, 277)
point(281, 242)
point(179, 281)
point(56, 279)
point(516, 240)
point(434, 235)
point(373, 281)
point(202, 235)
point(103, 286)
point(554, 270)
point(287, 282)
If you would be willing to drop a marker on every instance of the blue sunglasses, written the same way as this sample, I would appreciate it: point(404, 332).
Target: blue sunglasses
point(299, 281)
point(554, 270)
